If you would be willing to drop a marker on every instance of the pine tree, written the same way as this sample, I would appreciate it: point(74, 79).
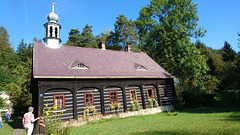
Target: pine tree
point(125, 33)
point(228, 53)
point(85, 39)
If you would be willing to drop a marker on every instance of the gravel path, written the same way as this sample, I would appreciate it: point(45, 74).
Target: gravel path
point(18, 131)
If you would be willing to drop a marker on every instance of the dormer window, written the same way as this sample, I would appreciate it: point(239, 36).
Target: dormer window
point(81, 66)
point(139, 67)
point(78, 65)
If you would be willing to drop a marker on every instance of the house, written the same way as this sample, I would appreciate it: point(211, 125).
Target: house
point(7, 103)
point(73, 78)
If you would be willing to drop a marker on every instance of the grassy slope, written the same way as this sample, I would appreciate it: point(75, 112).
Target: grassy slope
point(7, 129)
point(194, 121)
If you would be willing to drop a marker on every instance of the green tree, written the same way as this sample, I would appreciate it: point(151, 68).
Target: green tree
point(211, 82)
point(19, 89)
point(108, 37)
point(165, 28)
point(74, 38)
point(103, 37)
point(89, 40)
point(228, 53)
point(125, 33)
point(237, 72)
point(85, 39)
point(8, 60)
point(4, 41)
point(229, 75)
point(22, 51)
point(112, 42)
point(5, 78)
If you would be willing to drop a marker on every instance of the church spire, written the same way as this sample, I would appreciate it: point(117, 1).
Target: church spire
point(52, 36)
point(53, 6)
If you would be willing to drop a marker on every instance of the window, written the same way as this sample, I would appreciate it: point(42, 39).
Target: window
point(139, 67)
point(142, 68)
point(81, 66)
point(88, 97)
point(150, 93)
point(50, 31)
point(56, 32)
point(59, 102)
point(113, 97)
point(133, 95)
point(165, 92)
point(46, 32)
point(78, 65)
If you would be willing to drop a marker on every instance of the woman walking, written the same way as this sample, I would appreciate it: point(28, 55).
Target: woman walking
point(28, 121)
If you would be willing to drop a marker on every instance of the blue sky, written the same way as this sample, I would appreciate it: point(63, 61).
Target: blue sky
point(24, 19)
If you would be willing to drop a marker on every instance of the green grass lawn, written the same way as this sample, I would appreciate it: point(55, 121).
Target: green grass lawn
point(7, 129)
point(193, 121)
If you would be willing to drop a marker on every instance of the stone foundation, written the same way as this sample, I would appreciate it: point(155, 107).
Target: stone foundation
point(81, 121)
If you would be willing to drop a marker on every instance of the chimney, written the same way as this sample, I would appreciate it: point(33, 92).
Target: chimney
point(102, 45)
point(128, 48)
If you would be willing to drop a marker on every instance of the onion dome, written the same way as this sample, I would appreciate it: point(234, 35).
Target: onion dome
point(52, 17)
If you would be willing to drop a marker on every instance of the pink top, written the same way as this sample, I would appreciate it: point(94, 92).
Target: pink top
point(28, 118)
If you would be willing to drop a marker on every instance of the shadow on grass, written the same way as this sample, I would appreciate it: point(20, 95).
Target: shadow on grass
point(212, 110)
point(158, 133)
point(16, 123)
point(233, 117)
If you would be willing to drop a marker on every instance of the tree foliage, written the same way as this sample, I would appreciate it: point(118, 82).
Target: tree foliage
point(15, 71)
point(84, 39)
point(125, 33)
point(165, 28)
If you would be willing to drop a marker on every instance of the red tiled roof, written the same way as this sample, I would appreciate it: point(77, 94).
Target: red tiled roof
point(56, 63)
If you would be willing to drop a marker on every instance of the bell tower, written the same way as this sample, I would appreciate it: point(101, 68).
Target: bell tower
point(52, 34)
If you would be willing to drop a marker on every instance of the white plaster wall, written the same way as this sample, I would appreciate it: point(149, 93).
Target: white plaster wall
point(53, 43)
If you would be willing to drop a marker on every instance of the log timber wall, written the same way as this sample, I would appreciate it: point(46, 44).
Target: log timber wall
point(43, 91)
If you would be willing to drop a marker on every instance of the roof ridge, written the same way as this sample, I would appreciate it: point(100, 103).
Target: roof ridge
point(101, 49)
point(93, 48)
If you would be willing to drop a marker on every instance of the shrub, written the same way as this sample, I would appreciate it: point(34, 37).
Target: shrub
point(150, 103)
point(88, 110)
point(227, 99)
point(85, 113)
point(178, 105)
point(194, 98)
point(65, 130)
point(171, 113)
point(155, 103)
point(135, 106)
point(53, 125)
point(115, 107)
